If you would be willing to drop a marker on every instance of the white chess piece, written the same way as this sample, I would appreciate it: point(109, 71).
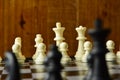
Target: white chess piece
point(81, 39)
point(16, 48)
point(110, 56)
point(41, 49)
point(38, 39)
point(118, 55)
point(0, 59)
point(63, 47)
point(87, 48)
point(59, 33)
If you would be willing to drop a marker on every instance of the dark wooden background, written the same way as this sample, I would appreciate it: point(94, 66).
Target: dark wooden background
point(40, 16)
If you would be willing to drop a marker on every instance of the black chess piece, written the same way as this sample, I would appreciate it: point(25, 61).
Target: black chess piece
point(90, 62)
point(12, 66)
point(100, 69)
point(52, 64)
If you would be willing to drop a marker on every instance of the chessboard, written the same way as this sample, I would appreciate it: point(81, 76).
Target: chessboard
point(74, 70)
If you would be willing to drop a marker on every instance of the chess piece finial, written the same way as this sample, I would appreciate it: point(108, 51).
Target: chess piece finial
point(38, 39)
point(87, 48)
point(52, 64)
point(100, 71)
point(63, 49)
point(59, 33)
point(41, 49)
point(81, 39)
point(18, 40)
point(110, 56)
point(12, 66)
point(58, 25)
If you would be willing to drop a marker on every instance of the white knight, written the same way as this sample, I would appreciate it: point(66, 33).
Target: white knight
point(16, 48)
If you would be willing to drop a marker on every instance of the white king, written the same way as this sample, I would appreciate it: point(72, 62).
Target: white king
point(59, 33)
point(81, 39)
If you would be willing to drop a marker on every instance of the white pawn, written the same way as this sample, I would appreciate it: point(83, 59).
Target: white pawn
point(118, 55)
point(87, 48)
point(41, 49)
point(59, 33)
point(38, 40)
point(110, 56)
point(63, 47)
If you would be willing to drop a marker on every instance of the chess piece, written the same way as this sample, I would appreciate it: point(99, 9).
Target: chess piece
point(59, 33)
point(12, 66)
point(118, 55)
point(38, 40)
point(100, 69)
point(81, 39)
point(52, 64)
point(110, 56)
point(90, 62)
point(16, 48)
point(0, 59)
point(63, 47)
point(41, 49)
point(87, 48)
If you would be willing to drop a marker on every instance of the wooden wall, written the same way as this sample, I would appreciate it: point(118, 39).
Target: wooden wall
point(40, 16)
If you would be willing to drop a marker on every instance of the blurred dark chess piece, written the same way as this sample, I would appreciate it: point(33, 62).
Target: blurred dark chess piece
point(52, 64)
point(90, 62)
point(12, 66)
point(98, 66)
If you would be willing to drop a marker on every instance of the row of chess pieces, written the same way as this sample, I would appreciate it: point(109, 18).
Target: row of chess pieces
point(84, 47)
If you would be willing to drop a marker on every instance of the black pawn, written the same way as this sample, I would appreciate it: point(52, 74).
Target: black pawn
point(12, 66)
point(52, 64)
point(100, 69)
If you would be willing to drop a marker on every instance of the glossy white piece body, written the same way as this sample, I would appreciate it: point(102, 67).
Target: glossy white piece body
point(59, 33)
point(38, 40)
point(81, 39)
point(87, 48)
point(110, 56)
point(41, 49)
point(63, 47)
point(16, 48)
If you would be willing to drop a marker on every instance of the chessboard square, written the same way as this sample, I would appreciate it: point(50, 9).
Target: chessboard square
point(4, 72)
point(3, 76)
point(27, 79)
point(1, 68)
point(36, 66)
point(38, 76)
point(26, 76)
point(0, 71)
point(25, 66)
point(25, 71)
point(2, 64)
point(75, 77)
